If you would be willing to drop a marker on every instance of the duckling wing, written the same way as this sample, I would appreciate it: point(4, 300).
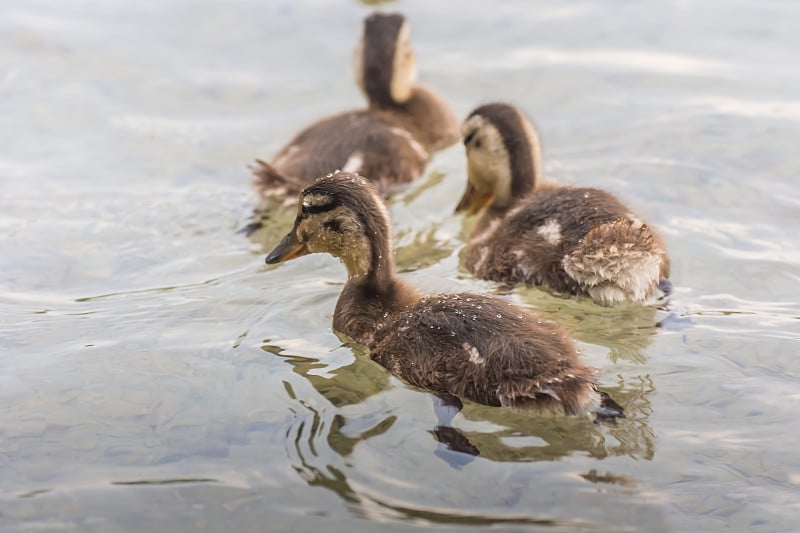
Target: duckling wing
point(576, 240)
point(529, 243)
point(484, 350)
point(369, 143)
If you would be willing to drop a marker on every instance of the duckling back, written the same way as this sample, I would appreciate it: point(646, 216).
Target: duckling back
point(487, 351)
point(372, 143)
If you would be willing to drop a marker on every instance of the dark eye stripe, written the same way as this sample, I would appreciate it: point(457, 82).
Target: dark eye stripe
point(469, 137)
point(315, 209)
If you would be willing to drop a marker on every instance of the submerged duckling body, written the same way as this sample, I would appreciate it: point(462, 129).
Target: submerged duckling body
point(464, 345)
point(391, 141)
point(576, 240)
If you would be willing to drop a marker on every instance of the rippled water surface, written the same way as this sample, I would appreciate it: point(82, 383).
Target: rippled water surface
point(156, 375)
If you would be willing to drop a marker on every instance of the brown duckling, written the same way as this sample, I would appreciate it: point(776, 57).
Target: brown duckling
point(577, 240)
point(455, 345)
point(390, 141)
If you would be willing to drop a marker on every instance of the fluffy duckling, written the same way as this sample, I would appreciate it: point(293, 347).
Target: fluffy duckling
point(577, 240)
point(455, 345)
point(390, 141)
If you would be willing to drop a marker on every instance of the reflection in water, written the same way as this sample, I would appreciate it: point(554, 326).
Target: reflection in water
point(269, 222)
point(311, 427)
point(303, 439)
point(626, 330)
point(520, 436)
point(175, 481)
point(419, 249)
point(320, 441)
point(346, 385)
point(607, 478)
point(414, 192)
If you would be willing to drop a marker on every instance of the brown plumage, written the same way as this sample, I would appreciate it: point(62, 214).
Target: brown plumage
point(576, 240)
point(390, 141)
point(465, 345)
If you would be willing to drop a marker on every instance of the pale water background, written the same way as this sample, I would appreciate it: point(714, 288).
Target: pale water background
point(155, 375)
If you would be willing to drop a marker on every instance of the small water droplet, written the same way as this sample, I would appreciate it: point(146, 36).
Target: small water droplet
point(499, 315)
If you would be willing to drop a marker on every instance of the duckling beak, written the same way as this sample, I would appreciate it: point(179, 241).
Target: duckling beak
point(289, 248)
point(473, 200)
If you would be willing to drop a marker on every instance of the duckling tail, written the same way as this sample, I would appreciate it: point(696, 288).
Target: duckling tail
point(617, 261)
point(572, 392)
point(268, 181)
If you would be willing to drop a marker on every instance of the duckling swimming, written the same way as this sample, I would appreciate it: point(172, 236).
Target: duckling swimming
point(577, 240)
point(456, 345)
point(390, 141)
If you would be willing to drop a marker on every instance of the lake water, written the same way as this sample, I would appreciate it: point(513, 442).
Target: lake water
point(156, 375)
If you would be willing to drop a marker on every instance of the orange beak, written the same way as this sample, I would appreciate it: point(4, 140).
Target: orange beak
point(473, 200)
point(289, 248)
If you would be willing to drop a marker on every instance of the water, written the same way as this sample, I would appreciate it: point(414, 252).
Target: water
point(156, 375)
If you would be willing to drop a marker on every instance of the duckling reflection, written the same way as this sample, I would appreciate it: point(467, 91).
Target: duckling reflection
point(626, 330)
point(419, 244)
point(506, 435)
point(322, 444)
point(304, 438)
point(520, 436)
point(347, 385)
point(354, 383)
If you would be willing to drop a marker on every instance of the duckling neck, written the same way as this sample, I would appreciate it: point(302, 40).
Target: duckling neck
point(365, 304)
point(425, 115)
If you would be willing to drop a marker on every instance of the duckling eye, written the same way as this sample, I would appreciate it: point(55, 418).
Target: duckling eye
point(469, 138)
point(334, 225)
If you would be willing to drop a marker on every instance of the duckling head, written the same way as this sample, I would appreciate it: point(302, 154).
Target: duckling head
point(503, 157)
point(384, 62)
point(340, 214)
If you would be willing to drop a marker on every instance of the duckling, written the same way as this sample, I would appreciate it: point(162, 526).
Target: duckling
point(465, 345)
point(577, 240)
point(390, 141)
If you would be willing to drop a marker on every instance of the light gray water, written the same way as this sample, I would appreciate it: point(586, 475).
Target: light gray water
point(155, 375)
